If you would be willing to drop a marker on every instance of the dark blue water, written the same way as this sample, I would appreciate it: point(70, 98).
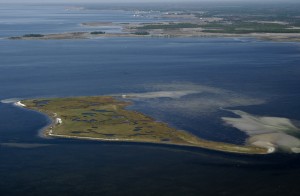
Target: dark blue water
point(28, 69)
point(123, 65)
point(95, 67)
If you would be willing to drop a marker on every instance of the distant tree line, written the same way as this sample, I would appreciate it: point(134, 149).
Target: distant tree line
point(141, 33)
point(97, 32)
point(33, 35)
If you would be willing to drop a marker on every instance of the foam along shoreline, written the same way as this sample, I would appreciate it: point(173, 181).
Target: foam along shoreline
point(273, 133)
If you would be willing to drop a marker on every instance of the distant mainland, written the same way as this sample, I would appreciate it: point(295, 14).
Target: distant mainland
point(182, 25)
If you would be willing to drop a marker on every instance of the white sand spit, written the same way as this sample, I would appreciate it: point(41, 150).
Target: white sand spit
point(19, 104)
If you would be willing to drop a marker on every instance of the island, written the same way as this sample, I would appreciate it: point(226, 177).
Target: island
point(107, 118)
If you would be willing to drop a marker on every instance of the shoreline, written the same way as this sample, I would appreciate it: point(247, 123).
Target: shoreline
point(278, 37)
point(190, 141)
point(19, 104)
point(155, 143)
point(47, 133)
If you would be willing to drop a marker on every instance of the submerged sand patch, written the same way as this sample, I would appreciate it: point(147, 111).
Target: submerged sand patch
point(268, 132)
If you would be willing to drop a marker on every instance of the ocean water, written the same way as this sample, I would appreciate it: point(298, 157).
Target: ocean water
point(19, 19)
point(261, 77)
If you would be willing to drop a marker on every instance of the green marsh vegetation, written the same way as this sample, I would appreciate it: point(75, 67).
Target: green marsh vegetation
point(106, 118)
